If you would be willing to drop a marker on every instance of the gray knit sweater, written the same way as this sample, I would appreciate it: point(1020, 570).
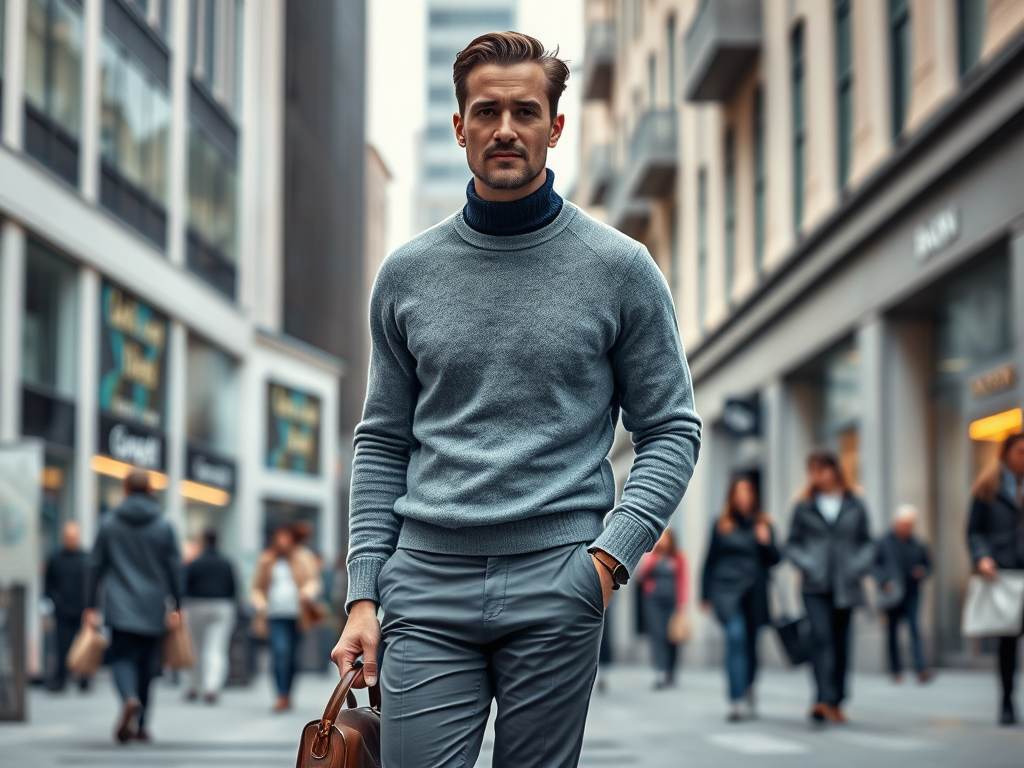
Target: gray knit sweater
point(499, 367)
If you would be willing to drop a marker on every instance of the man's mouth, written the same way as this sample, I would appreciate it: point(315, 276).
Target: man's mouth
point(504, 155)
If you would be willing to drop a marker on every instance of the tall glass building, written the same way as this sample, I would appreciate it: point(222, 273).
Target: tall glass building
point(451, 25)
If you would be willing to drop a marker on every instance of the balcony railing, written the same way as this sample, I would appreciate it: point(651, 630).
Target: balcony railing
point(654, 154)
point(721, 45)
point(600, 60)
point(626, 212)
point(602, 173)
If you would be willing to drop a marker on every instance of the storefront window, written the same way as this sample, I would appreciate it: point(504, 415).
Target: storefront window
point(53, 84)
point(57, 501)
point(973, 318)
point(48, 327)
point(840, 407)
point(212, 397)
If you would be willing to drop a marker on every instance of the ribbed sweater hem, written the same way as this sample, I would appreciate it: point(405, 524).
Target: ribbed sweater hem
point(517, 537)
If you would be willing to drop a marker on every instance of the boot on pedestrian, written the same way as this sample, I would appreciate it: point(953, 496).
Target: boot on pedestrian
point(1007, 716)
point(128, 722)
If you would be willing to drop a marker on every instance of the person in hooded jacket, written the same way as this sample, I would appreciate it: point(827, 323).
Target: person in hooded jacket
point(735, 585)
point(136, 559)
point(830, 542)
point(995, 538)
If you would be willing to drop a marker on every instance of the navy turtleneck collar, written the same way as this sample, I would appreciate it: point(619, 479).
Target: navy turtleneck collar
point(528, 214)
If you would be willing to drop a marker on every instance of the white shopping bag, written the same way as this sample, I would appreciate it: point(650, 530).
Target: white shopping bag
point(994, 608)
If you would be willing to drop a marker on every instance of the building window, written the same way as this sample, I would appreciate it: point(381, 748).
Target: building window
point(652, 81)
point(730, 212)
point(471, 18)
point(156, 13)
point(214, 48)
point(796, 52)
point(441, 94)
point(446, 173)
point(212, 208)
point(212, 408)
point(670, 60)
point(53, 85)
point(900, 62)
point(440, 132)
point(135, 123)
point(844, 90)
point(702, 245)
point(972, 18)
point(48, 340)
point(759, 182)
point(444, 56)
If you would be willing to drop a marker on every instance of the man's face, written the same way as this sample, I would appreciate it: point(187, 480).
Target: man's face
point(71, 536)
point(507, 126)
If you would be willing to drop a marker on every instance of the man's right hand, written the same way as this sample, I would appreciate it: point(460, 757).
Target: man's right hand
point(988, 569)
point(361, 637)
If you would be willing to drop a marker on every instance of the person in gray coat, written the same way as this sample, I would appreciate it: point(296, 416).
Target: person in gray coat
point(995, 538)
point(136, 559)
point(830, 542)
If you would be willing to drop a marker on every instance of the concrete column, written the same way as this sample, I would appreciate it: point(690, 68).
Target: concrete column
point(873, 446)
point(778, 125)
point(12, 305)
point(175, 427)
point(177, 187)
point(14, 73)
point(89, 146)
point(87, 400)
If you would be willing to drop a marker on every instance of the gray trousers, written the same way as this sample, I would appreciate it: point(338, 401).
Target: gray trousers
point(459, 631)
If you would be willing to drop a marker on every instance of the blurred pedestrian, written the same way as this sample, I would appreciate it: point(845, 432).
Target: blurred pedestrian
point(901, 564)
point(286, 584)
point(735, 585)
point(66, 575)
point(662, 576)
point(210, 602)
point(136, 559)
point(830, 542)
point(995, 537)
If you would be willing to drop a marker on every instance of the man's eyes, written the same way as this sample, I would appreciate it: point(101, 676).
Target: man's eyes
point(488, 112)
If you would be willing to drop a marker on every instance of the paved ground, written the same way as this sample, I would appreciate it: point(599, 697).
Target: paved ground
point(948, 723)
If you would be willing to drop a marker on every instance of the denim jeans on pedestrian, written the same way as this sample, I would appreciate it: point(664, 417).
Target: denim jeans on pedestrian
point(134, 663)
point(830, 646)
point(284, 651)
point(740, 653)
point(905, 610)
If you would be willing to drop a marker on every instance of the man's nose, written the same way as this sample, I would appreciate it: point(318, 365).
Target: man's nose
point(506, 131)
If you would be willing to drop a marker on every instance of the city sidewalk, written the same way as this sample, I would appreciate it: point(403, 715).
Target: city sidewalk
point(947, 723)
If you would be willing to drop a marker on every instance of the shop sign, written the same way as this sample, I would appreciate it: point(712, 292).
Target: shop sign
point(293, 430)
point(131, 443)
point(991, 382)
point(210, 469)
point(741, 417)
point(936, 233)
point(133, 352)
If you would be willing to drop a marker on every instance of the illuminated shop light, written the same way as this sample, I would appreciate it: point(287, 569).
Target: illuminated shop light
point(205, 493)
point(105, 465)
point(997, 427)
point(53, 478)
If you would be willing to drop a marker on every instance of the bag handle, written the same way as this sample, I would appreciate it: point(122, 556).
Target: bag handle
point(342, 693)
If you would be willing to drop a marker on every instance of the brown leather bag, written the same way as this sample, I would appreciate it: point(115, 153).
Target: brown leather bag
point(343, 738)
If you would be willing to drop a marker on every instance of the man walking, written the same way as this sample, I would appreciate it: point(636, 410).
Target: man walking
point(506, 341)
point(66, 574)
point(901, 564)
point(136, 559)
point(210, 602)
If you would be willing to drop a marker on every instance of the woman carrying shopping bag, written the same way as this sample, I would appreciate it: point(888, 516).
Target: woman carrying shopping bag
point(735, 585)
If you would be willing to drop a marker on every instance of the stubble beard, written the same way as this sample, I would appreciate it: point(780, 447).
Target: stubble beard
point(507, 179)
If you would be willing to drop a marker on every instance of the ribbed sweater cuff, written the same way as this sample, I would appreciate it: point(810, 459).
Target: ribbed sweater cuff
point(362, 580)
point(624, 539)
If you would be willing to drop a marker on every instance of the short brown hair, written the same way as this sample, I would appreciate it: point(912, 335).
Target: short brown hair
point(509, 48)
point(137, 481)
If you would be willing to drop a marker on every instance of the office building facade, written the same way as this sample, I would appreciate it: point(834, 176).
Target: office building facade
point(832, 190)
point(151, 306)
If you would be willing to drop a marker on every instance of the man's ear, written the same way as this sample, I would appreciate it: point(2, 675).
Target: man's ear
point(557, 125)
point(460, 132)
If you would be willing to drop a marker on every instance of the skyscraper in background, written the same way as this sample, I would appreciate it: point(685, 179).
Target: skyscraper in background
point(451, 25)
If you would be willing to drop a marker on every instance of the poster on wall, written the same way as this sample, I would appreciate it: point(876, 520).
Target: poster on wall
point(293, 430)
point(21, 467)
point(133, 353)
